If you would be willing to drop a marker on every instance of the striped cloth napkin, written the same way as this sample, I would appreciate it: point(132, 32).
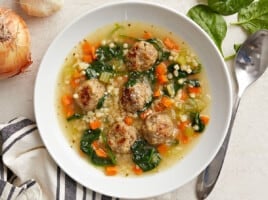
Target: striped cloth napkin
point(28, 172)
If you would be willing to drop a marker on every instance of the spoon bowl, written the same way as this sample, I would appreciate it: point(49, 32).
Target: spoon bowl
point(250, 63)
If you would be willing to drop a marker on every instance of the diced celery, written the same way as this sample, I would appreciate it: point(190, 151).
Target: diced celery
point(181, 60)
point(170, 90)
point(105, 77)
point(189, 131)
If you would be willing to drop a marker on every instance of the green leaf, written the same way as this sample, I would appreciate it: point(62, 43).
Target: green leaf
point(74, 116)
point(213, 23)
point(254, 17)
point(87, 139)
point(196, 121)
point(145, 155)
point(228, 7)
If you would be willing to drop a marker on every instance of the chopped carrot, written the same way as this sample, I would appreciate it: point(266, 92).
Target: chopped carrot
point(128, 120)
point(194, 90)
point(170, 44)
point(184, 95)
point(166, 102)
point(204, 119)
point(147, 35)
point(137, 170)
point(101, 153)
point(87, 58)
point(146, 113)
point(69, 111)
point(86, 47)
point(95, 124)
point(182, 125)
point(74, 83)
point(159, 107)
point(162, 79)
point(99, 150)
point(157, 92)
point(66, 100)
point(183, 138)
point(162, 148)
point(93, 52)
point(110, 170)
point(161, 69)
point(95, 144)
point(76, 74)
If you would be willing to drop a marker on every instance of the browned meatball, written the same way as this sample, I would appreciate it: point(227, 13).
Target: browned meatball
point(141, 56)
point(89, 94)
point(134, 98)
point(121, 137)
point(158, 129)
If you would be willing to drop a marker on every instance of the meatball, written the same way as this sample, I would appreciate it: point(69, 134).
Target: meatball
point(135, 97)
point(141, 56)
point(121, 137)
point(158, 129)
point(89, 94)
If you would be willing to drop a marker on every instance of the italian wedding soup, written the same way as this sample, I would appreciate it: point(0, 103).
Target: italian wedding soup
point(132, 98)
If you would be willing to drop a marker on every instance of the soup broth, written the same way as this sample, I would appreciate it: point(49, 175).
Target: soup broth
point(132, 98)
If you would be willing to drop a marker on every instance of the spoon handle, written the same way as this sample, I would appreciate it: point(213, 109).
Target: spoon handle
point(208, 178)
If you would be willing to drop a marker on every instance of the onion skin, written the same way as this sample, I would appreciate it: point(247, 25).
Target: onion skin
point(15, 53)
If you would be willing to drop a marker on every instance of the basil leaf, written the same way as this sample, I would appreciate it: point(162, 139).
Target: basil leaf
point(254, 17)
point(228, 7)
point(213, 23)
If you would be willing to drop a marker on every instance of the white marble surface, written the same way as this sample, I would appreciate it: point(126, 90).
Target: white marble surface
point(245, 171)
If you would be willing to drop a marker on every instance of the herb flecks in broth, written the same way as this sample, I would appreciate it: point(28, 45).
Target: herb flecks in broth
point(133, 98)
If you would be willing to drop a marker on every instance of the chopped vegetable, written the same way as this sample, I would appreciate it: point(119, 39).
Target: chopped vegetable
point(128, 120)
point(110, 170)
point(162, 149)
point(101, 102)
point(147, 35)
point(145, 155)
point(170, 44)
point(88, 138)
point(105, 77)
point(66, 100)
point(137, 170)
point(74, 116)
point(95, 124)
point(166, 102)
point(197, 123)
point(204, 119)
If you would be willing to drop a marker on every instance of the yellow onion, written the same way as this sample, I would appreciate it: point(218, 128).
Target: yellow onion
point(15, 55)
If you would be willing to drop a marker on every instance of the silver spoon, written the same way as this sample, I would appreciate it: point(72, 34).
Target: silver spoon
point(250, 63)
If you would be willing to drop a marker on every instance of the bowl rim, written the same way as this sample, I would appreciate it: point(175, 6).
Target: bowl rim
point(157, 6)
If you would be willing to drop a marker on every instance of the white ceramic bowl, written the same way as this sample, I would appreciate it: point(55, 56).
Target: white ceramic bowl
point(142, 186)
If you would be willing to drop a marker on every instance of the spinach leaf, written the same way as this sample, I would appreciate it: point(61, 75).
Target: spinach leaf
point(101, 101)
point(213, 23)
point(109, 150)
point(193, 82)
point(196, 121)
point(162, 55)
point(133, 78)
point(228, 7)
point(254, 17)
point(100, 161)
point(87, 139)
point(96, 68)
point(74, 116)
point(145, 155)
point(107, 53)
